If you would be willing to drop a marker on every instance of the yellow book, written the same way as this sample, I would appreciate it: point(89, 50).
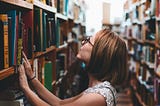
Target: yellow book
point(4, 18)
point(44, 1)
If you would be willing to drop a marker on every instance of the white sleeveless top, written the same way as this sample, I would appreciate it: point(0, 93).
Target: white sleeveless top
point(106, 90)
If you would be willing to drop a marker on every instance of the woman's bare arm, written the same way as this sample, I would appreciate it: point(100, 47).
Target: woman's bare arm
point(31, 96)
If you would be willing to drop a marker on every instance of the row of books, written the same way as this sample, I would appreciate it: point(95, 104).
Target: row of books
point(71, 8)
point(142, 32)
point(143, 53)
point(10, 92)
point(44, 33)
point(15, 34)
point(140, 9)
point(141, 19)
point(44, 72)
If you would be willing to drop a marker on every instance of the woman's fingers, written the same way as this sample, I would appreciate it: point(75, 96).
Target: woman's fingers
point(24, 62)
point(21, 69)
point(21, 72)
point(23, 54)
point(28, 69)
point(25, 57)
point(22, 77)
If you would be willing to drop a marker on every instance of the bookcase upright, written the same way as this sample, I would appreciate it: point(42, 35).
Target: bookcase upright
point(44, 31)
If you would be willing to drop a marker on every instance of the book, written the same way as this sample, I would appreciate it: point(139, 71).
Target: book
point(44, 21)
point(58, 33)
point(12, 36)
point(153, 8)
point(4, 19)
point(41, 64)
point(1, 46)
point(48, 75)
point(16, 41)
point(157, 8)
point(35, 67)
point(27, 35)
point(38, 32)
point(150, 29)
point(20, 34)
point(51, 33)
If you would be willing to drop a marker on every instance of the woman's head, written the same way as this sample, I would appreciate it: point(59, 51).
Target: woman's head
point(106, 59)
point(84, 53)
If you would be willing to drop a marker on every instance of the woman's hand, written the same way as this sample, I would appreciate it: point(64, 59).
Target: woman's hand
point(22, 78)
point(28, 69)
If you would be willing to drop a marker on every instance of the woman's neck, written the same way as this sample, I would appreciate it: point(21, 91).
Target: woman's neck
point(93, 81)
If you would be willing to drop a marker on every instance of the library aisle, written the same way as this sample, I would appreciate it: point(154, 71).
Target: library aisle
point(124, 98)
point(50, 33)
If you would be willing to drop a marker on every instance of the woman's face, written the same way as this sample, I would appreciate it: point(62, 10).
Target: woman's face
point(84, 53)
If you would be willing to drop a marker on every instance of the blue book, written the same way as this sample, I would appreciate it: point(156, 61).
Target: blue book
point(12, 16)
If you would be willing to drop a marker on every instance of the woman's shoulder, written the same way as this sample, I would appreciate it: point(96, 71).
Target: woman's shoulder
point(106, 90)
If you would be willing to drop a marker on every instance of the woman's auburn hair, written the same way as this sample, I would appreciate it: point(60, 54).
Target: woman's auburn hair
point(109, 58)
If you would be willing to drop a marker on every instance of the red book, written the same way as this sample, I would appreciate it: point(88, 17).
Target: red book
point(27, 18)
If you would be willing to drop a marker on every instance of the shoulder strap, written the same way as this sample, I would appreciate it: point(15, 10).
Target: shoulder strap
point(113, 95)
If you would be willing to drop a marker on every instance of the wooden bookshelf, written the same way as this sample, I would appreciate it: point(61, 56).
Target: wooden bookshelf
point(61, 16)
point(44, 6)
point(142, 35)
point(46, 36)
point(19, 3)
point(40, 54)
point(6, 72)
point(61, 47)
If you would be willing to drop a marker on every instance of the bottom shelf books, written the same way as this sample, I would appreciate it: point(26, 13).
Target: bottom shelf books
point(10, 93)
point(13, 97)
point(12, 103)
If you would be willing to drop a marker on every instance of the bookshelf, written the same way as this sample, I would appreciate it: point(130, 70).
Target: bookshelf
point(47, 31)
point(6, 72)
point(141, 31)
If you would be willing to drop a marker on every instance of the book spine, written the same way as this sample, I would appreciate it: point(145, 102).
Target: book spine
point(27, 35)
point(48, 75)
point(4, 18)
point(12, 37)
point(1, 46)
point(20, 32)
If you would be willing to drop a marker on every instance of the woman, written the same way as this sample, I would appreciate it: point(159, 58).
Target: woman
point(105, 56)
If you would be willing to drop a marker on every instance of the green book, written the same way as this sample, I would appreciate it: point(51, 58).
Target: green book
point(48, 75)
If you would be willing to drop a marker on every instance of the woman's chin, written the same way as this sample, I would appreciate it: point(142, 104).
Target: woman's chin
point(79, 57)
